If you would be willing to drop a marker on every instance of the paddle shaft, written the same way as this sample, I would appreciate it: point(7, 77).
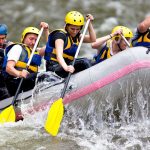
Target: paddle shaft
point(76, 55)
point(125, 40)
point(28, 64)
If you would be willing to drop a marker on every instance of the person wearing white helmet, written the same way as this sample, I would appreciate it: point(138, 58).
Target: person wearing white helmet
point(142, 35)
point(111, 44)
point(62, 45)
point(16, 59)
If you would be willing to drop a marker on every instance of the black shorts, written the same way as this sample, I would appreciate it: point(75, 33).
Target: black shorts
point(80, 64)
point(27, 84)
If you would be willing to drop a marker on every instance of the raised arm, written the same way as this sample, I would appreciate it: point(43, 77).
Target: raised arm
point(100, 41)
point(46, 29)
point(144, 25)
point(46, 32)
point(92, 35)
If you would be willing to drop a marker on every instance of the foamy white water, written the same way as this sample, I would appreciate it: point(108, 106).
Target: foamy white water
point(30, 134)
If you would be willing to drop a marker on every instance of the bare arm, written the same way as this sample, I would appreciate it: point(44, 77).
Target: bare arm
point(41, 50)
point(92, 35)
point(59, 52)
point(10, 69)
point(46, 29)
point(46, 32)
point(100, 41)
point(144, 25)
point(59, 44)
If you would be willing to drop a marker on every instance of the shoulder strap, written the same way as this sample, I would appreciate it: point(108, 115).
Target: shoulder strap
point(61, 31)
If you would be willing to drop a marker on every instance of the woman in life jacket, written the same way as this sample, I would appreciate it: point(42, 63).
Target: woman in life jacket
point(62, 45)
point(16, 59)
point(111, 44)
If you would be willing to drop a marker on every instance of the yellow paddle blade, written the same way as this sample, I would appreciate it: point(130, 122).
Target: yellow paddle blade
point(8, 115)
point(54, 117)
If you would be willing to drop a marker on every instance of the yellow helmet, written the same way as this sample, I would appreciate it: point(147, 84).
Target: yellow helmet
point(125, 31)
point(74, 18)
point(29, 30)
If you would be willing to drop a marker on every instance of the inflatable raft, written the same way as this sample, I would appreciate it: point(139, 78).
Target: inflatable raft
point(114, 84)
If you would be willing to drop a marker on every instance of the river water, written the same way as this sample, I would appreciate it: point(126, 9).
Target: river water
point(29, 133)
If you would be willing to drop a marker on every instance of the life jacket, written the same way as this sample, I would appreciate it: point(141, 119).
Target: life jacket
point(103, 54)
point(141, 39)
point(23, 60)
point(70, 47)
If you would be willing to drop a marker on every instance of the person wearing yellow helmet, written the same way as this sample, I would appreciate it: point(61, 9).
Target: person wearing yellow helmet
point(62, 44)
point(142, 35)
point(29, 30)
point(111, 44)
point(16, 59)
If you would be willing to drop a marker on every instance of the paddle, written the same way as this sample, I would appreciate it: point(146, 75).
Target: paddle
point(56, 110)
point(8, 114)
point(125, 40)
